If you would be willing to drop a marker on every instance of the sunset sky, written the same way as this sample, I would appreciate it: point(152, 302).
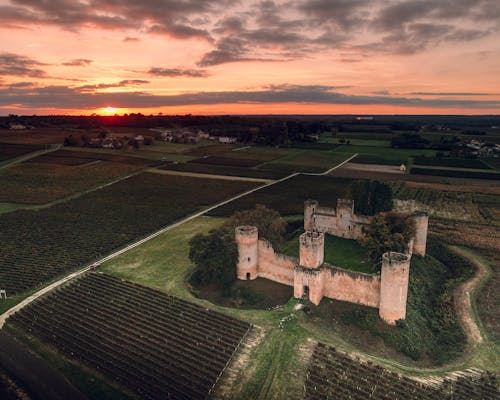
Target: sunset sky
point(250, 57)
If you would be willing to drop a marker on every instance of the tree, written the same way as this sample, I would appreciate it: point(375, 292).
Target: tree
point(269, 222)
point(388, 232)
point(371, 197)
point(215, 256)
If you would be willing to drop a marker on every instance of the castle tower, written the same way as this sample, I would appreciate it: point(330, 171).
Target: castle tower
point(421, 227)
point(247, 239)
point(394, 286)
point(310, 207)
point(312, 249)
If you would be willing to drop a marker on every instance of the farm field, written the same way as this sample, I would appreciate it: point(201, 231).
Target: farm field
point(288, 196)
point(357, 142)
point(335, 375)
point(339, 252)
point(456, 172)
point(37, 136)
point(145, 153)
point(67, 235)
point(451, 162)
point(41, 183)
point(12, 150)
point(307, 161)
point(156, 345)
point(383, 155)
point(224, 170)
point(441, 203)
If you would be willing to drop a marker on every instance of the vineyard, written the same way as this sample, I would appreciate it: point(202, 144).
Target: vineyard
point(40, 245)
point(457, 173)
point(12, 150)
point(224, 170)
point(451, 162)
point(156, 345)
point(34, 183)
point(288, 197)
point(334, 375)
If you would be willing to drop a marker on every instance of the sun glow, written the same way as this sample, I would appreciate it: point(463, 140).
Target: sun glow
point(109, 110)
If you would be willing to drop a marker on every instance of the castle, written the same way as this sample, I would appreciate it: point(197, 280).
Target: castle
point(311, 277)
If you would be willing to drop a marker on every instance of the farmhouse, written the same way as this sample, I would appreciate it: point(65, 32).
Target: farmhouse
point(310, 276)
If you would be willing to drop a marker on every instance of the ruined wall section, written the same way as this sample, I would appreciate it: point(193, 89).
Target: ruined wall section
point(274, 266)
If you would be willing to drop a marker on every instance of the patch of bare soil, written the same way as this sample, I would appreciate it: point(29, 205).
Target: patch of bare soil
point(462, 301)
point(227, 385)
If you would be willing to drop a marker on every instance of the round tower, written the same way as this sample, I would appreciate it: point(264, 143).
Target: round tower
point(310, 207)
point(312, 249)
point(247, 239)
point(420, 241)
point(394, 286)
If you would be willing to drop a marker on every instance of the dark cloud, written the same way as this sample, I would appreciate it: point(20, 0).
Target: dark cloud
point(177, 72)
point(170, 17)
point(72, 98)
point(131, 39)
point(273, 30)
point(347, 14)
point(78, 62)
point(451, 94)
point(17, 65)
point(123, 83)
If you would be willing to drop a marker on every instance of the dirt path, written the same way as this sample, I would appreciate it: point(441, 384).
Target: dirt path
point(34, 374)
point(462, 301)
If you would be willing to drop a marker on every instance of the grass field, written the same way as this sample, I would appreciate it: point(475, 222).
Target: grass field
point(339, 252)
point(288, 196)
point(63, 237)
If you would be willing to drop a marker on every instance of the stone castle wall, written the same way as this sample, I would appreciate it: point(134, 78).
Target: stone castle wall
point(343, 222)
point(274, 266)
point(386, 291)
point(354, 287)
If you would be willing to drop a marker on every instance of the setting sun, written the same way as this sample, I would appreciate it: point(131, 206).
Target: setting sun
point(109, 110)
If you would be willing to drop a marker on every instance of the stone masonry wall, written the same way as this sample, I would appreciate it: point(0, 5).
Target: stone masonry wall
point(354, 287)
point(273, 266)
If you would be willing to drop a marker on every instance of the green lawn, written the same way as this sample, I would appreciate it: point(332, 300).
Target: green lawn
point(162, 263)
point(339, 252)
